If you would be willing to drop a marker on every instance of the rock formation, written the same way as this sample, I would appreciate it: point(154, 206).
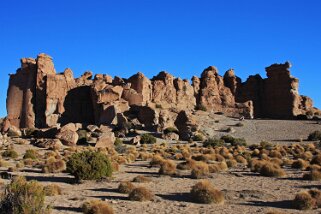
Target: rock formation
point(39, 97)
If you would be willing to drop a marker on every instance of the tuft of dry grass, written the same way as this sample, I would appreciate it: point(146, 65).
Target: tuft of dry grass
point(141, 194)
point(272, 170)
point(168, 167)
point(200, 170)
point(313, 175)
point(54, 166)
point(97, 207)
point(204, 192)
point(304, 201)
point(52, 190)
point(300, 164)
point(125, 187)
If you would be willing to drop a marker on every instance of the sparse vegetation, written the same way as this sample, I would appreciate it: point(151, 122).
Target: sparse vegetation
point(89, 165)
point(141, 194)
point(10, 153)
point(141, 179)
point(23, 197)
point(125, 187)
point(204, 192)
point(97, 207)
point(52, 190)
point(147, 139)
point(213, 142)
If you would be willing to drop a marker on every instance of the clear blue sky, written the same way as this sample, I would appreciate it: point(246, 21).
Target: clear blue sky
point(121, 37)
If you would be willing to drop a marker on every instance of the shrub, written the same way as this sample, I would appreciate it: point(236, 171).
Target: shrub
point(213, 142)
point(199, 170)
point(313, 175)
point(201, 107)
point(314, 136)
point(141, 194)
point(304, 201)
point(168, 167)
point(31, 154)
point(54, 166)
point(316, 159)
point(234, 141)
point(204, 192)
point(118, 142)
point(170, 130)
point(198, 137)
point(125, 187)
point(52, 190)
point(89, 165)
point(147, 139)
point(266, 145)
point(156, 160)
point(23, 197)
point(159, 106)
point(300, 164)
point(272, 170)
point(141, 179)
point(97, 207)
point(10, 153)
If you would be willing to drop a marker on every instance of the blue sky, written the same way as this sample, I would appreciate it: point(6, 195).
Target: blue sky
point(122, 37)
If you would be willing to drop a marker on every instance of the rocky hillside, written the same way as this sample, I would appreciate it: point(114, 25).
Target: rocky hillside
point(40, 97)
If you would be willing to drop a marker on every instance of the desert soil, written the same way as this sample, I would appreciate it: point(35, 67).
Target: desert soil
point(245, 192)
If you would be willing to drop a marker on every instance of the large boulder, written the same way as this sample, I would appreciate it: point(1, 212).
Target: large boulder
point(68, 137)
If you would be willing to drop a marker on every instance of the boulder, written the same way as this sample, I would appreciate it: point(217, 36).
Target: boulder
point(14, 132)
point(54, 144)
point(106, 140)
point(68, 137)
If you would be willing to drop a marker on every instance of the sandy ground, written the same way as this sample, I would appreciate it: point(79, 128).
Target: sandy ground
point(245, 192)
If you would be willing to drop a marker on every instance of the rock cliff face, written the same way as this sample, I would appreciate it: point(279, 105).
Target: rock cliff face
point(40, 97)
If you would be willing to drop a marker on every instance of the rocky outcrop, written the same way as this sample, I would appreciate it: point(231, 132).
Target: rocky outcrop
point(40, 97)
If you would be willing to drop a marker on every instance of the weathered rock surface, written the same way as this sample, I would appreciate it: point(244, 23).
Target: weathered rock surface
point(39, 97)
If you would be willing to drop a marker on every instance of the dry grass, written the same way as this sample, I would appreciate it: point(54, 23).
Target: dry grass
point(97, 207)
point(272, 170)
point(52, 190)
point(141, 194)
point(200, 170)
point(125, 187)
point(304, 201)
point(204, 192)
point(168, 167)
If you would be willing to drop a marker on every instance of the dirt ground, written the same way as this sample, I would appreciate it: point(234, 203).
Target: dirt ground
point(245, 192)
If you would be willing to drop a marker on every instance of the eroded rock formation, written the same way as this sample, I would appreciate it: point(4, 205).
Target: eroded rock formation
point(40, 97)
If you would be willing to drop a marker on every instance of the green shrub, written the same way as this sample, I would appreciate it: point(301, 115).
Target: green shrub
point(316, 135)
point(234, 141)
point(170, 129)
point(23, 197)
point(147, 139)
point(201, 107)
point(213, 142)
point(89, 165)
point(31, 154)
point(10, 153)
point(118, 142)
point(198, 137)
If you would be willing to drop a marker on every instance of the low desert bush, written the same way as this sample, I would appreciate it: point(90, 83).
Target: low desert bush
point(54, 166)
point(313, 175)
point(52, 190)
point(272, 170)
point(141, 194)
point(156, 160)
point(147, 139)
point(171, 130)
point(168, 167)
point(23, 197)
point(314, 136)
point(32, 154)
point(204, 192)
point(97, 207)
point(304, 201)
point(89, 165)
point(234, 141)
point(300, 164)
point(213, 142)
point(198, 137)
point(125, 187)
point(199, 170)
point(10, 153)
